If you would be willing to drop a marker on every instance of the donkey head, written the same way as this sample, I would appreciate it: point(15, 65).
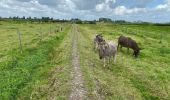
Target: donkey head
point(136, 52)
point(99, 38)
point(102, 49)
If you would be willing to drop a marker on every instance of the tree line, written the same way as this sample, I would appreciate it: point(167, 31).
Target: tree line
point(75, 20)
point(32, 19)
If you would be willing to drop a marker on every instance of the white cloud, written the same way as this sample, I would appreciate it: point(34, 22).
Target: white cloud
point(66, 6)
point(30, 8)
point(4, 3)
point(107, 1)
point(86, 9)
point(100, 7)
point(163, 7)
point(119, 10)
point(122, 10)
point(104, 6)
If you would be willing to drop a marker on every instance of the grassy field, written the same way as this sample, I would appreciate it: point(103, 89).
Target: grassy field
point(43, 70)
point(21, 73)
point(146, 77)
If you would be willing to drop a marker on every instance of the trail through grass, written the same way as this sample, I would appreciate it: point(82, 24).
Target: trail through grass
point(64, 65)
point(78, 91)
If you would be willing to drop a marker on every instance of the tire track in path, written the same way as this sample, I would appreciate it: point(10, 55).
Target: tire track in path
point(78, 91)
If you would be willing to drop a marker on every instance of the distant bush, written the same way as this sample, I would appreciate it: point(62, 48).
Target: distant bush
point(164, 24)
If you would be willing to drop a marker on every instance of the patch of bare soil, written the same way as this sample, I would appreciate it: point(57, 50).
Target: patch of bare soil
point(78, 91)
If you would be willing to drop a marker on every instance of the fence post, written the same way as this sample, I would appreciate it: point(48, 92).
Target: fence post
point(20, 41)
point(61, 27)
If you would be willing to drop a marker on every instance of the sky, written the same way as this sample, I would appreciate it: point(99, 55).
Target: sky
point(130, 10)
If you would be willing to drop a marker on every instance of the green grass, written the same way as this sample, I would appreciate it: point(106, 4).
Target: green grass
point(30, 34)
point(146, 77)
point(43, 70)
point(57, 84)
point(21, 72)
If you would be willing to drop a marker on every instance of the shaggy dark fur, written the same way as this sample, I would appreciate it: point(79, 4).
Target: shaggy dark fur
point(129, 43)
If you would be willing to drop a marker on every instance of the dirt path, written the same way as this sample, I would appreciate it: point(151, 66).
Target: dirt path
point(78, 91)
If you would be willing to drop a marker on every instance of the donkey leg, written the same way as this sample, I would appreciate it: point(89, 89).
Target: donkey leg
point(133, 53)
point(104, 60)
point(114, 57)
point(127, 50)
point(108, 60)
point(120, 48)
point(117, 46)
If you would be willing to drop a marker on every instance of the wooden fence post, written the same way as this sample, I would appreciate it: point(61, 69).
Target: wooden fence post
point(61, 27)
point(20, 40)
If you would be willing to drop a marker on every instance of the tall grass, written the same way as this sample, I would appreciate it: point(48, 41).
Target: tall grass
point(23, 70)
